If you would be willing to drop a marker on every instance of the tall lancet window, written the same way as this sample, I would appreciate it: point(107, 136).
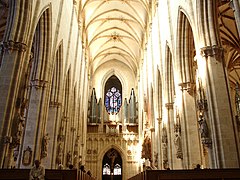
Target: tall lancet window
point(113, 95)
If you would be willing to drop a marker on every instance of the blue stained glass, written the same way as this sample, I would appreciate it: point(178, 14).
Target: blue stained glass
point(113, 101)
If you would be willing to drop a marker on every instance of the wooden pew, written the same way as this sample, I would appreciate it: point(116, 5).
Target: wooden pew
point(203, 174)
point(50, 174)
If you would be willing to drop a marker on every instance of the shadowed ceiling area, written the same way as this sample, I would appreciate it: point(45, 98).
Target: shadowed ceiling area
point(3, 15)
point(230, 40)
point(115, 31)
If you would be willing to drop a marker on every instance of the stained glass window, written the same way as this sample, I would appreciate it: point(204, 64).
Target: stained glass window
point(106, 169)
point(113, 100)
point(117, 170)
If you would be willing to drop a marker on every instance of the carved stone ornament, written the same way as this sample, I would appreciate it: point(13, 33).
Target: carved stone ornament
point(146, 148)
point(89, 151)
point(204, 133)
point(69, 158)
point(202, 105)
point(213, 51)
point(27, 156)
point(55, 104)
point(207, 142)
point(7, 139)
point(169, 105)
point(59, 153)
point(61, 137)
point(95, 151)
point(188, 86)
point(38, 83)
point(45, 142)
point(15, 142)
point(13, 46)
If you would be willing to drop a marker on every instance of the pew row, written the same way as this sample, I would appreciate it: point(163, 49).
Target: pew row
point(203, 174)
point(50, 174)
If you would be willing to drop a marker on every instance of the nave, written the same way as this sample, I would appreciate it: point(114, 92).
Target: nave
point(120, 85)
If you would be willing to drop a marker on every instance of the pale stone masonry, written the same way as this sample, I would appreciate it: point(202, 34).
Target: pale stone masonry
point(172, 68)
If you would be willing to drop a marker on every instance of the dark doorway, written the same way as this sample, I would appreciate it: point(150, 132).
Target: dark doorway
point(112, 165)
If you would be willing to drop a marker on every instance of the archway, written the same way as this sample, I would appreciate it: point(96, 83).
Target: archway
point(112, 165)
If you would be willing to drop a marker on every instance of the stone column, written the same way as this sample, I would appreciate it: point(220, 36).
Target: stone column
point(10, 73)
point(34, 129)
point(219, 110)
point(159, 145)
point(189, 128)
point(170, 123)
point(52, 127)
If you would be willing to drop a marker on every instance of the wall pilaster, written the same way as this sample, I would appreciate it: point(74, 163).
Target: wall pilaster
point(189, 128)
point(52, 127)
point(225, 152)
point(34, 130)
point(10, 75)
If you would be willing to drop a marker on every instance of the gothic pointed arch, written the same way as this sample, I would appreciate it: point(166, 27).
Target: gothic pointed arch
point(108, 74)
point(55, 104)
point(186, 92)
point(167, 160)
point(186, 52)
point(38, 82)
point(42, 38)
point(66, 98)
point(113, 95)
point(57, 75)
point(112, 165)
point(207, 23)
point(121, 154)
point(170, 85)
point(14, 16)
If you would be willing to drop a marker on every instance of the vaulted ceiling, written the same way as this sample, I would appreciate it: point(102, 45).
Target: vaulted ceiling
point(3, 15)
point(115, 31)
point(230, 40)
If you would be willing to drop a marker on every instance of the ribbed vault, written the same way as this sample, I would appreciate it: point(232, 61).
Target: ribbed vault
point(3, 14)
point(115, 30)
point(230, 40)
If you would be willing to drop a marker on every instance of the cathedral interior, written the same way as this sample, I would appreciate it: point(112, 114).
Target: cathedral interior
point(120, 86)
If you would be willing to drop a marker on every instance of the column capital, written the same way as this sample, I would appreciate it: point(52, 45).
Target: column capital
point(159, 120)
point(74, 2)
point(64, 118)
point(169, 105)
point(38, 83)
point(7, 139)
point(55, 104)
point(188, 86)
point(14, 46)
point(215, 51)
